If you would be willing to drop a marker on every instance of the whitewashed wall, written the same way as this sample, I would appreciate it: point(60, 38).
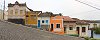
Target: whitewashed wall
point(44, 18)
point(83, 34)
point(91, 25)
point(68, 31)
point(15, 16)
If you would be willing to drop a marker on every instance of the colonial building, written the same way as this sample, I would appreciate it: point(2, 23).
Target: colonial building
point(16, 12)
point(32, 17)
point(5, 15)
point(69, 25)
point(44, 20)
point(81, 27)
point(56, 24)
point(93, 23)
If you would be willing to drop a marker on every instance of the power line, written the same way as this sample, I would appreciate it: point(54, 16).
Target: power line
point(88, 5)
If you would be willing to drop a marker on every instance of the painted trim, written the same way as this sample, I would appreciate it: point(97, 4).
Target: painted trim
point(40, 24)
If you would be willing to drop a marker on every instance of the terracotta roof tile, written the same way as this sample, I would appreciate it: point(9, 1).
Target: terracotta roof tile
point(67, 18)
point(80, 22)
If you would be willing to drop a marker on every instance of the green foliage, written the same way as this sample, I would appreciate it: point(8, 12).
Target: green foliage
point(94, 39)
point(87, 38)
point(97, 30)
point(76, 35)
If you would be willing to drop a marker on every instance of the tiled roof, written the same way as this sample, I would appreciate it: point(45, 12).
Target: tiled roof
point(45, 14)
point(67, 18)
point(92, 21)
point(16, 3)
point(80, 22)
point(10, 31)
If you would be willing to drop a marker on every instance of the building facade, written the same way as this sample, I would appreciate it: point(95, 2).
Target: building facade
point(93, 23)
point(69, 25)
point(31, 17)
point(16, 12)
point(44, 21)
point(81, 27)
point(56, 25)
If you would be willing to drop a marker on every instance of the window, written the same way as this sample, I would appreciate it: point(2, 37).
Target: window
point(42, 21)
point(83, 29)
point(57, 25)
point(70, 28)
point(33, 16)
point(46, 21)
point(95, 25)
point(11, 12)
point(16, 11)
point(27, 16)
point(21, 11)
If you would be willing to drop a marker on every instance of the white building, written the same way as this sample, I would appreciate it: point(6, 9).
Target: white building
point(16, 12)
point(82, 27)
point(95, 23)
point(44, 21)
point(82, 30)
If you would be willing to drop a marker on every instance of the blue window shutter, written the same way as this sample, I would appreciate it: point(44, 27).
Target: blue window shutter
point(46, 21)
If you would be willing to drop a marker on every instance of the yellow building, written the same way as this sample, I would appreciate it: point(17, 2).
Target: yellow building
point(31, 17)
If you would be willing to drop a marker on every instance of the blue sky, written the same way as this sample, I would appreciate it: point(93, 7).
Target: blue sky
point(70, 8)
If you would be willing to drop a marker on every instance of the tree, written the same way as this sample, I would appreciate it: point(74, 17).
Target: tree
point(97, 30)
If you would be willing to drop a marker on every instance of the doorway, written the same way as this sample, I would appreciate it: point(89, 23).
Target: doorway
point(78, 30)
point(51, 27)
point(64, 29)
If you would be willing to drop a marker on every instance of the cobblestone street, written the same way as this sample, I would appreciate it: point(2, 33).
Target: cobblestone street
point(10, 31)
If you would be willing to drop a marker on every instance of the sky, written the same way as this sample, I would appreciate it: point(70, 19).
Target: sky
point(70, 8)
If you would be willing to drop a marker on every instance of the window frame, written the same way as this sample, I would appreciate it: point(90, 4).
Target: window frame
point(47, 21)
point(11, 12)
point(16, 11)
point(57, 25)
point(70, 28)
point(83, 29)
point(21, 11)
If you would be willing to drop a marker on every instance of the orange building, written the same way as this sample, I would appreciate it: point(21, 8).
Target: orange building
point(56, 25)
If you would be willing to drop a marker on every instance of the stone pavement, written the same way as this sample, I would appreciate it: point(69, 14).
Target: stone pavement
point(10, 31)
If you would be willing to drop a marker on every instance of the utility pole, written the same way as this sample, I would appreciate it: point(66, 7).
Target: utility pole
point(4, 9)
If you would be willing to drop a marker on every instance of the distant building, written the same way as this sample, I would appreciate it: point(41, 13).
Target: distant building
point(56, 24)
point(16, 12)
point(5, 15)
point(1, 14)
point(93, 23)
